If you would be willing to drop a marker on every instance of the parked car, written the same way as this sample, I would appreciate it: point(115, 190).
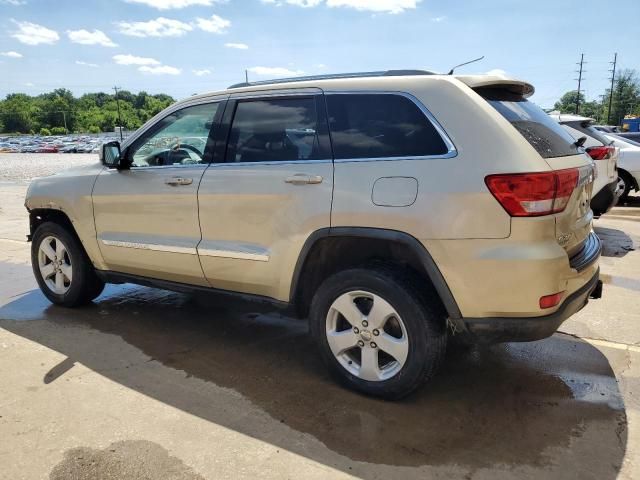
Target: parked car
point(634, 136)
point(607, 128)
point(392, 209)
point(628, 164)
point(607, 189)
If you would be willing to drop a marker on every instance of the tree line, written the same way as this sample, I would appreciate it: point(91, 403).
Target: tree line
point(624, 101)
point(59, 112)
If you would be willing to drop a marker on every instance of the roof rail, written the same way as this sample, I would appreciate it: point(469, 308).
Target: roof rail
point(386, 73)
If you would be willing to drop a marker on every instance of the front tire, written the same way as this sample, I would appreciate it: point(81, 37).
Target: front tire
point(376, 333)
point(62, 268)
point(628, 184)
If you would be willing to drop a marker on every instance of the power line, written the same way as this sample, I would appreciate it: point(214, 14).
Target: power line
point(119, 118)
point(613, 76)
point(579, 83)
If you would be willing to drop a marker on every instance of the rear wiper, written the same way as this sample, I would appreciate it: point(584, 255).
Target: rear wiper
point(580, 142)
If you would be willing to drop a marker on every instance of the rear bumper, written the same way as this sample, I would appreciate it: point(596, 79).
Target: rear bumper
point(526, 329)
point(606, 198)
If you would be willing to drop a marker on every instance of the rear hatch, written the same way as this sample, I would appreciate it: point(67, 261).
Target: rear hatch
point(573, 171)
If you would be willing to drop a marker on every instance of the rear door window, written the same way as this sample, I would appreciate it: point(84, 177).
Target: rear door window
point(539, 129)
point(380, 126)
point(275, 130)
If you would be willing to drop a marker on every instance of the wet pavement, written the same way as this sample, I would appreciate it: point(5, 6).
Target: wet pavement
point(146, 383)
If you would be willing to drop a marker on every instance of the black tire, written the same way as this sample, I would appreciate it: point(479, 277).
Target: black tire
point(85, 284)
point(628, 184)
point(421, 313)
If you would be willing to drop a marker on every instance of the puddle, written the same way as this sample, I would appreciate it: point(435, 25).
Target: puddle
point(509, 404)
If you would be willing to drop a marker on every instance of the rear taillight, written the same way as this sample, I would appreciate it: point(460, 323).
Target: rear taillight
point(601, 153)
point(533, 194)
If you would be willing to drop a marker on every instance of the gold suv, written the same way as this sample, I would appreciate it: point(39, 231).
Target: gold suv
point(394, 209)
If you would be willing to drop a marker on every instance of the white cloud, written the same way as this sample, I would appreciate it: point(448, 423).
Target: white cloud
point(239, 46)
point(172, 4)
point(381, 6)
point(160, 70)
point(133, 60)
point(496, 71)
point(200, 73)
point(215, 24)
point(15, 3)
point(275, 71)
point(11, 54)
point(439, 19)
point(160, 27)
point(87, 64)
point(29, 84)
point(34, 34)
point(85, 37)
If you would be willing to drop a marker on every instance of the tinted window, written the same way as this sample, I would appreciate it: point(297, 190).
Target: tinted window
point(274, 130)
point(380, 125)
point(180, 138)
point(541, 131)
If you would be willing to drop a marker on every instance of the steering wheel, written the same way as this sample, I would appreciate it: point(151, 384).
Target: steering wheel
point(186, 146)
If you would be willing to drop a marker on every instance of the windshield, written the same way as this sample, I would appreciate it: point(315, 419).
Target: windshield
point(545, 135)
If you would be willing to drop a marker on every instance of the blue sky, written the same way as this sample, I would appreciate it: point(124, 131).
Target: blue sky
point(181, 47)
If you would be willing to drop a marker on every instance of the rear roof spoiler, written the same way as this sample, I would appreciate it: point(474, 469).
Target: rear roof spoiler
point(498, 81)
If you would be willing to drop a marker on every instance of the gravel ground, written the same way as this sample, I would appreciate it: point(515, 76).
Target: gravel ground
point(22, 167)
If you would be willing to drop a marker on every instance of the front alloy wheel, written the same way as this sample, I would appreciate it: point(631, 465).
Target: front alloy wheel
point(55, 265)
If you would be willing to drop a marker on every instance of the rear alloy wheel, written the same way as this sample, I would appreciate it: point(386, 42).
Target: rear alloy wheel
point(376, 332)
point(61, 267)
point(367, 336)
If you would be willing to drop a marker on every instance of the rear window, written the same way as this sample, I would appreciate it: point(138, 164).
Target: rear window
point(594, 136)
point(541, 131)
point(380, 126)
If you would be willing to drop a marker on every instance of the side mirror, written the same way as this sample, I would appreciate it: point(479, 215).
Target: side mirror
point(110, 154)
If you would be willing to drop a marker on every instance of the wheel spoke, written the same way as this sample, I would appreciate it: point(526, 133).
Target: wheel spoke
point(380, 312)
point(398, 348)
point(341, 341)
point(67, 271)
point(47, 270)
point(369, 369)
point(45, 247)
point(60, 250)
point(344, 304)
point(59, 282)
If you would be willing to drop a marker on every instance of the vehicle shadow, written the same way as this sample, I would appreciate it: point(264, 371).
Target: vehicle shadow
point(515, 404)
point(615, 243)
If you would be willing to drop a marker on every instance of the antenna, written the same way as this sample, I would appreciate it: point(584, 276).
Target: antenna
point(465, 63)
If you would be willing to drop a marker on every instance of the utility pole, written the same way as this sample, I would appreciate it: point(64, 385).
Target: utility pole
point(246, 76)
point(579, 83)
point(64, 118)
point(613, 77)
point(119, 118)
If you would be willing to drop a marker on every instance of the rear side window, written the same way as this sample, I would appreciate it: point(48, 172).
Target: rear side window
point(281, 129)
point(380, 126)
point(541, 131)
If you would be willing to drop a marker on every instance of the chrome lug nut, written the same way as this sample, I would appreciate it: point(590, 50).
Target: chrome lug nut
point(360, 343)
point(356, 330)
point(373, 345)
point(376, 332)
point(365, 323)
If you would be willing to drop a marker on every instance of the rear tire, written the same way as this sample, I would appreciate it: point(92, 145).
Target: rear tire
point(394, 339)
point(62, 268)
point(628, 184)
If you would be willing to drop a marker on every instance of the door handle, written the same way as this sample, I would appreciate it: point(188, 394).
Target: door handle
point(303, 179)
point(175, 181)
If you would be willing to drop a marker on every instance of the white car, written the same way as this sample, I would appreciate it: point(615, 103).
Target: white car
point(607, 189)
point(628, 164)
